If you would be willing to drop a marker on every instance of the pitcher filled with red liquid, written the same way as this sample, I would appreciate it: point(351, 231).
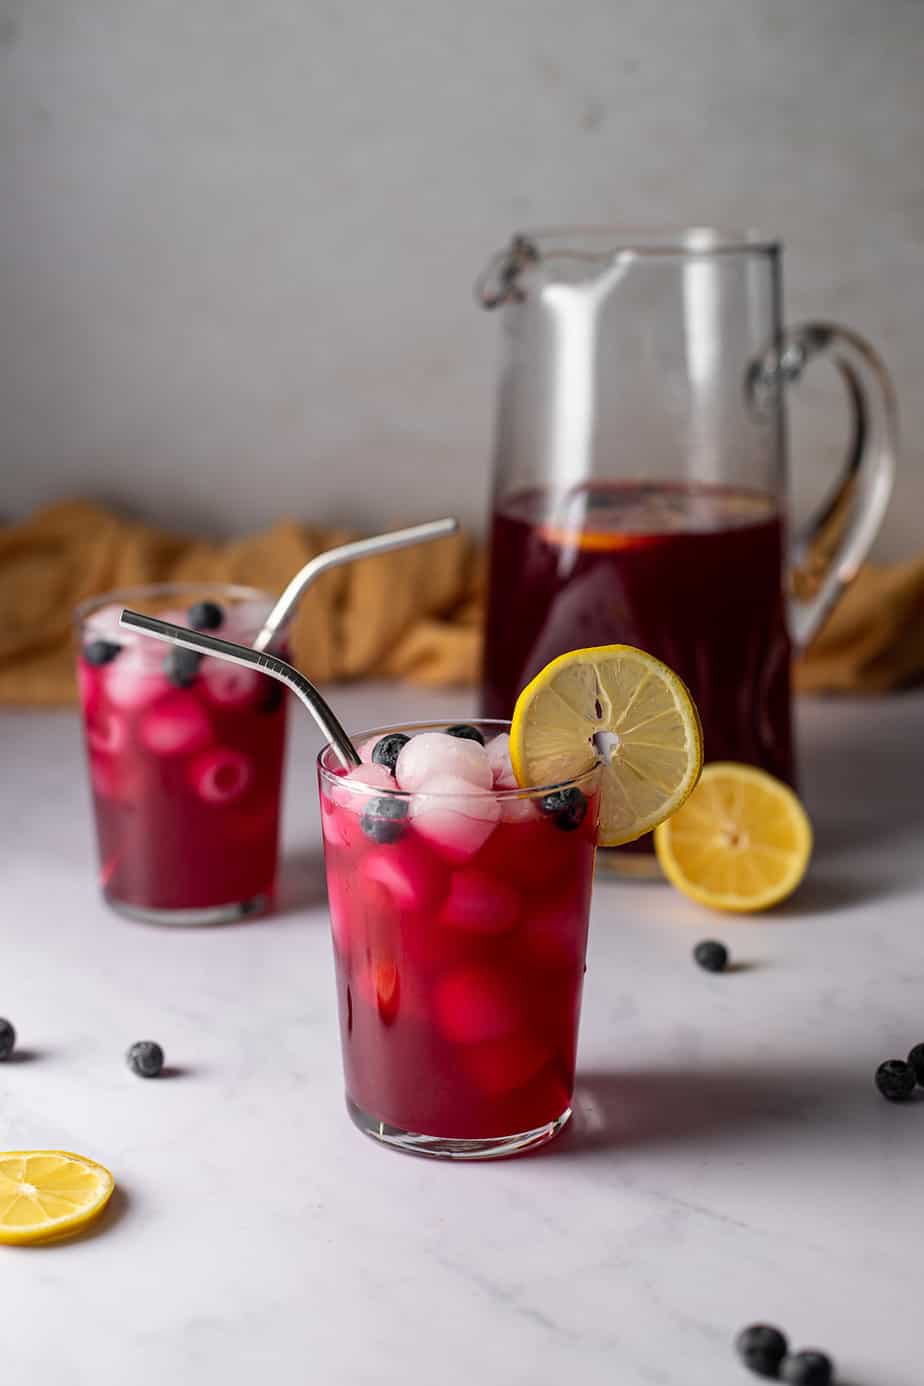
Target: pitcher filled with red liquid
point(640, 472)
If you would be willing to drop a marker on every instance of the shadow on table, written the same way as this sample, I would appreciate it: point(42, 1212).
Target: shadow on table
point(116, 1209)
point(644, 1109)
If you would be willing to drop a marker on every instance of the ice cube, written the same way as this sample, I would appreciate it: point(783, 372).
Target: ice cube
point(132, 681)
point(107, 731)
point(453, 816)
point(176, 726)
point(472, 1005)
point(244, 620)
point(479, 902)
point(371, 776)
point(104, 625)
point(500, 1066)
point(413, 880)
point(498, 753)
point(435, 753)
point(365, 750)
point(230, 685)
point(221, 776)
point(555, 931)
point(519, 809)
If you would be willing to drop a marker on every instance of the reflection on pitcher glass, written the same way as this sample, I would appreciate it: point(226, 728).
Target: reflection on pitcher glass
point(640, 472)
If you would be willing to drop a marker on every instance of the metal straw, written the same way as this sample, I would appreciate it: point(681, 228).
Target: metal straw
point(270, 664)
point(347, 553)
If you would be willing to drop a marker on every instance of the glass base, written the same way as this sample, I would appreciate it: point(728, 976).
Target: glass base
point(212, 914)
point(618, 864)
point(454, 1148)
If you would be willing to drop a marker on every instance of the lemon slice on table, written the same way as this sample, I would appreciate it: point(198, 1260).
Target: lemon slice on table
point(47, 1194)
point(625, 707)
point(741, 842)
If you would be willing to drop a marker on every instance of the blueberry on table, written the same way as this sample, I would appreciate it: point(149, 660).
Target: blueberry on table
point(895, 1080)
point(146, 1058)
point(566, 807)
point(205, 616)
point(761, 1348)
point(101, 651)
point(7, 1039)
point(384, 821)
point(387, 751)
point(181, 666)
point(465, 733)
point(916, 1062)
point(711, 955)
point(807, 1369)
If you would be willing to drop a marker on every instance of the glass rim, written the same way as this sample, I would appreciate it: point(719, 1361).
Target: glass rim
point(143, 591)
point(654, 240)
point(502, 795)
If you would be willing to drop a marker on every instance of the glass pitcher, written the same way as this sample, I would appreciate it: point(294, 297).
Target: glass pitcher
point(640, 472)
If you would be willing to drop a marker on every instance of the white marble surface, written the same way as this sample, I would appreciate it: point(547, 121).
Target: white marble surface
point(730, 1159)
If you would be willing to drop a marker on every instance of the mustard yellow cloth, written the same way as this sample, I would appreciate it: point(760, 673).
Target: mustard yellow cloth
point(413, 615)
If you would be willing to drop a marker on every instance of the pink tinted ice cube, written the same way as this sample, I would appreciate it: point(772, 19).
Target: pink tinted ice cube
point(370, 776)
point(500, 1066)
point(131, 681)
point(435, 753)
point(229, 685)
point(221, 776)
point(454, 817)
point(107, 731)
point(474, 1005)
point(413, 880)
point(498, 754)
point(480, 903)
point(176, 726)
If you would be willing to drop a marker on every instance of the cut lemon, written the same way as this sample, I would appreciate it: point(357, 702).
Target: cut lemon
point(741, 842)
point(624, 707)
point(46, 1194)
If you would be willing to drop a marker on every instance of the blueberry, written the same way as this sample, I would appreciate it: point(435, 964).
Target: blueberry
point(387, 751)
point(7, 1039)
point(205, 616)
point(384, 819)
point(808, 1369)
point(761, 1349)
point(711, 955)
point(145, 1058)
point(465, 733)
point(566, 807)
point(916, 1060)
point(895, 1080)
point(272, 699)
point(101, 651)
point(181, 666)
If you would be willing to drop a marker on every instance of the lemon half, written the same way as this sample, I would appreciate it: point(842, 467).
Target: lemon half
point(741, 842)
point(621, 705)
point(46, 1194)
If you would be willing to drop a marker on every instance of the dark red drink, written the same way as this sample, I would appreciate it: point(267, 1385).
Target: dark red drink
point(185, 757)
point(459, 918)
point(690, 573)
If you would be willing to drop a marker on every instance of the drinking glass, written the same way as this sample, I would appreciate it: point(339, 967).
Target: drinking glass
point(460, 926)
point(640, 475)
point(185, 756)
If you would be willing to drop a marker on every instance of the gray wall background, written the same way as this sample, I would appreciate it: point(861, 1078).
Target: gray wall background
point(237, 240)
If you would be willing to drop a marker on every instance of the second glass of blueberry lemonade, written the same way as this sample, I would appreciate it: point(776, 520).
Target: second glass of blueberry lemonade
point(185, 756)
point(459, 906)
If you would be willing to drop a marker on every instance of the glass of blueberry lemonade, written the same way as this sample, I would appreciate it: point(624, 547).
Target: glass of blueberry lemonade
point(185, 756)
point(459, 905)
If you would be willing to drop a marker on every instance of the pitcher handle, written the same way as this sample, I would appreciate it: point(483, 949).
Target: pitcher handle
point(826, 552)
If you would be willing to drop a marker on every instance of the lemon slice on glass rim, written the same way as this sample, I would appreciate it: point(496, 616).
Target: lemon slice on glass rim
point(741, 842)
point(49, 1194)
point(616, 704)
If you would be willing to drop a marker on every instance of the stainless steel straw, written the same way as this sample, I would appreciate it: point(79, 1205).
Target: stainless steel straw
point(347, 553)
point(270, 664)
